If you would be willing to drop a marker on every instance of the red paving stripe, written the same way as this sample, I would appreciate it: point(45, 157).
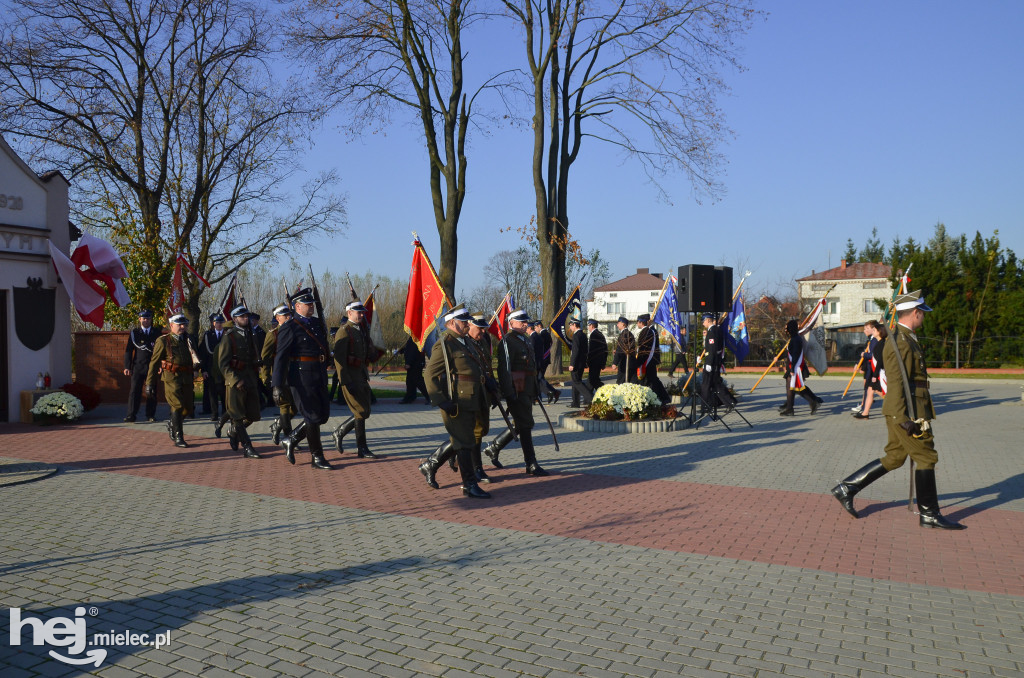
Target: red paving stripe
point(766, 526)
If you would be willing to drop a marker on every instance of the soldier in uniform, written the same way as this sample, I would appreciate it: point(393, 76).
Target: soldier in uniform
point(625, 350)
point(283, 424)
point(542, 348)
point(648, 357)
point(259, 335)
point(712, 390)
point(301, 366)
point(138, 355)
point(517, 378)
point(457, 384)
point(582, 394)
point(238, 361)
point(175, 360)
point(597, 354)
point(353, 352)
point(213, 387)
point(908, 422)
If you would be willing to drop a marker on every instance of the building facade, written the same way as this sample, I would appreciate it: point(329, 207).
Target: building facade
point(35, 318)
point(630, 296)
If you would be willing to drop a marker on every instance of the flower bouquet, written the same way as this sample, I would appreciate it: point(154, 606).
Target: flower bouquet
point(56, 407)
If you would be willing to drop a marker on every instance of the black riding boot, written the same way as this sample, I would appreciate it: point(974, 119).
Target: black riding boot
point(361, 449)
point(478, 465)
point(243, 437)
point(529, 455)
point(469, 486)
point(233, 438)
point(497, 445)
point(342, 431)
point(430, 465)
point(928, 502)
point(170, 427)
point(856, 482)
point(787, 410)
point(292, 441)
point(177, 419)
point(275, 430)
point(316, 448)
point(224, 418)
point(812, 400)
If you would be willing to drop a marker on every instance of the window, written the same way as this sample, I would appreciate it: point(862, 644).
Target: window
point(870, 306)
point(654, 294)
point(876, 285)
point(618, 307)
point(831, 307)
point(650, 306)
point(612, 295)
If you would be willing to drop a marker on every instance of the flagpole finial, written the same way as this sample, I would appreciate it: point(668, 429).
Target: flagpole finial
point(415, 238)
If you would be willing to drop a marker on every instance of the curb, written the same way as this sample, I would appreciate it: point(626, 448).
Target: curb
point(571, 423)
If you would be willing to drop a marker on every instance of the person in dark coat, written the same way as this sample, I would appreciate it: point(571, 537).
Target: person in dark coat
point(796, 372)
point(648, 357)
point(582, 394)
point(301, 366)
point(712, 388)
point(213, 388)
point(597, 355)
point(282, 426)
point(415, 362)
point(542, 348)
point(238, 363)
point(624, 357)
point(137, 355)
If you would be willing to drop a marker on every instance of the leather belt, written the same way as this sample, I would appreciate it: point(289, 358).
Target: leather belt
point(171, 367)
point(469, 377)
point(308, 358)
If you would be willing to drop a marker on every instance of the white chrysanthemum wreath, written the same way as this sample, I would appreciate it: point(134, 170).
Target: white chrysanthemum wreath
point(629, 401)
point(61, 405)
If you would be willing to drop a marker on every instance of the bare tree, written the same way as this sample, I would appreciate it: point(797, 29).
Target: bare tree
point(642, 76)
point(376, 56)
point(167, 119)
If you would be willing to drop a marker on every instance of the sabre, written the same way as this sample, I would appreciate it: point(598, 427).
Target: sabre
point(548, 419)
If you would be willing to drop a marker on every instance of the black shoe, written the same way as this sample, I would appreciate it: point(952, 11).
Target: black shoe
point(557, 395)
point(787, 412)
point(473, 490)
point(859, 415)
point(129, 420)
point(250, 453)
point(482, 477)
point(854, 483)
point(783, 408)
point(321, 463)
point(534, 469)
point(218, 428)
point(214, 418)
point(493, 456)
point(429, 472)
point(289, 450)
point(364, 451)
point(814, 406)
point(275, 430)
point(928, 503)
point(453, 463)
point(936, 520)
point(150, 420)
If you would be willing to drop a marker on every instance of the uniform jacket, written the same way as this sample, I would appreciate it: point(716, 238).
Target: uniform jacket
point(172, 359)
point(259, 335)
point(912, 357)
point(517, 366)
point(647, 347)
point(208, 348)
point(353, 352)
point(597, 350)
point(268, 353)
point(139, 350)
point(298, 338)
point(625, 346)
point(713, 347)
point(464, 383)
point(237, 357)
point(578, 353)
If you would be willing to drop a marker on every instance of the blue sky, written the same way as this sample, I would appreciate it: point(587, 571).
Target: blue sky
point(850, 115)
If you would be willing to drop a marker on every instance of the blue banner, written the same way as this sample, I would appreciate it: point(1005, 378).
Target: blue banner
point(571, 309)
point(667, 314)
point(735, 326)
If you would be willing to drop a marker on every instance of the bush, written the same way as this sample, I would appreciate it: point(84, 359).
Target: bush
point(88, 396)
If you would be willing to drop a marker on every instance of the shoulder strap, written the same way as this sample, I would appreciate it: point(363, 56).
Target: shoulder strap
point(907, 388)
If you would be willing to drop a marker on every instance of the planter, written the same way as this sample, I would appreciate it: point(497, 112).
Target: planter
point(48, 420)
point(572, 423)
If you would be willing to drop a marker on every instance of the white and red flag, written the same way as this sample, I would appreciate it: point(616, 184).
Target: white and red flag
point(228, 303)
point(93, 262)
point(499, 322)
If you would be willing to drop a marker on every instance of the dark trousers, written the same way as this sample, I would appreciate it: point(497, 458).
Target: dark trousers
point(677, 360)
point(213, 397)
point(713, 390)
point(581, 391)
point(414, 382)
point(651, 381)
point(594, 378)
point(626, 375)
point(138, 380)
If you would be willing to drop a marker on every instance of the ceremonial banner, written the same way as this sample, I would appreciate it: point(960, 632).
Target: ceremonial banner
point(182, 261)
point(499, 323)
point(735, 330)
point(814, 348)
point(93, 262)
point(571, 308)
point(373, 320)
point(425, 299)
point(666, 314)
point(227, 303)
point(177, 298)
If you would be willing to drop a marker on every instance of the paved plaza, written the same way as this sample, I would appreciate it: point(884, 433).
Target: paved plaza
point(701, 552)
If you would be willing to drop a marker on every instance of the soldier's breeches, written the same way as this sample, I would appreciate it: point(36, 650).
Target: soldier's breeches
point(357, 397)
point(243, 404)
point(521, 409)
point(901, 445)
point(460, 428)
point(482, 425)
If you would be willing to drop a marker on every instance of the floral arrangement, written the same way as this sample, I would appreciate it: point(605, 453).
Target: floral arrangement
point(625, 401)
point(59, 405)
point(89, 396)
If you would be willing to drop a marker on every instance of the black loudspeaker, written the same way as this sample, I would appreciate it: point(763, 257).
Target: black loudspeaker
point(723, 288)
point(696, 293)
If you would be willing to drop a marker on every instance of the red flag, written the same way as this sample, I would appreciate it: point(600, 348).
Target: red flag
point(183, 261)
point(174, 304)
point(499, 324)
point(228, 302)
point(424, 299)
point(94, 261)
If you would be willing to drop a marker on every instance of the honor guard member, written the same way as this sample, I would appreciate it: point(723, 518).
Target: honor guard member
point(517, 378)
point(581, 391)
point(712, 390)
point(175, 360)
point(542, 348)
point(908, 421)
point(301, 365)
point(138, 355)
point(796, 372)
point(648, 357)
point(238, 361)
point(259, 335)
point(456, 383)
point(625, 350)
point(213, 387)
point(480, 342)
point(353, 353)
point(597, 354)
point(283, 424)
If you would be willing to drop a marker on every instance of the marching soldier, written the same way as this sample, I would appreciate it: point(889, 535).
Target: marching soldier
point(238, 361)
point(517, 378)
point(213, 387)
point(625, 350)
point(648, 357)
point(578, 354)
point(138, 355)
point(283, 424)
point(456, 383)
point(713, 391)
point(908, 414)
point(301, 366)
point(175, 360)
point(353, 352)
point(597, 354)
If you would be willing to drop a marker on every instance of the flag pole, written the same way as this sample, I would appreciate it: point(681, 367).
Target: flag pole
point(701, 356)
point(892, 300)
point(784, 347)
point(502, 303)
point(433, 271)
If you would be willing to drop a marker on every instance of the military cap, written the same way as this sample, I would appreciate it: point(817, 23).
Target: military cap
point(574, 321)
point(254, 316)
point(458, 313)
point(644, 318)
point(145, 313)
point(216, 318)
point(592, 322)
point(911, 300)
point(519, 315)
point(707, 316)
point(622, 319)
point(239, 310)
point(282, 310)
point(356, 306)
point(178, 319)
point(304, 296)
point(478, 320)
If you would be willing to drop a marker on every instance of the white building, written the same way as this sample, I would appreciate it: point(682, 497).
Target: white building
point(630, 296)
point(852, 302)
point(35, 319)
